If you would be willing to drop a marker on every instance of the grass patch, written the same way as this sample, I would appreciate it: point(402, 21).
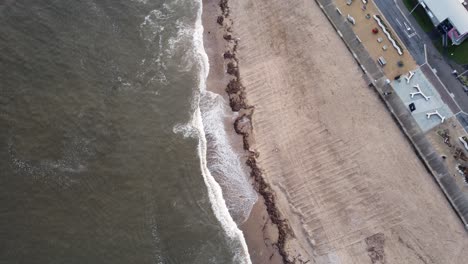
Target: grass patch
point(420, 15)
point(460, 52)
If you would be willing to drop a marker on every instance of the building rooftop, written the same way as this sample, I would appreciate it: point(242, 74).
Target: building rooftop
point(455, 10)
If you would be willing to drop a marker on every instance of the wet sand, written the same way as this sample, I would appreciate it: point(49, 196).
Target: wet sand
point(326, 155)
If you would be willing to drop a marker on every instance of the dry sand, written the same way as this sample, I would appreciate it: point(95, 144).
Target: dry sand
point(345, 178)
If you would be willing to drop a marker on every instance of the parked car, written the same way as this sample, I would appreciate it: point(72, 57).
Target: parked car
point(465, 88)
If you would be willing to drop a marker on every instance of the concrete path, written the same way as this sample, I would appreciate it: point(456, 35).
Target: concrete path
point(430, 75)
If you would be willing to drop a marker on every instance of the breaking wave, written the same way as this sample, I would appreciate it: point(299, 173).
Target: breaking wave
point(217, 158)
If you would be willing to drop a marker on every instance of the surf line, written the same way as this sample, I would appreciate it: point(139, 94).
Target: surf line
point(215, 194)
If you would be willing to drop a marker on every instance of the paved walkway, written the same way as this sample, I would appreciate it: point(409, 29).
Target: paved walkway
point(463, 119)
point(400, 112)
point(430, 75)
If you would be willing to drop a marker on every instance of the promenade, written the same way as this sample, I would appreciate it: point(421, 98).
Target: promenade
point(377, 79)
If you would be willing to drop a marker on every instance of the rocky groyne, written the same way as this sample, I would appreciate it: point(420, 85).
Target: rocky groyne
point(243, 126)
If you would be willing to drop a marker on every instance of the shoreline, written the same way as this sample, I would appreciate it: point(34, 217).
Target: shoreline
point(265, 235)
point(215, 192)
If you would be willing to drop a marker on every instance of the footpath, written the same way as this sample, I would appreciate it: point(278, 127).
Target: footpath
point(377, 79)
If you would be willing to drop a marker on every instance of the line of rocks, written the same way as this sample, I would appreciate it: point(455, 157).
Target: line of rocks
point(243, 126)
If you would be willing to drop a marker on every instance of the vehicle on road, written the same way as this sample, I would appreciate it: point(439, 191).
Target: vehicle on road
point(465, 88)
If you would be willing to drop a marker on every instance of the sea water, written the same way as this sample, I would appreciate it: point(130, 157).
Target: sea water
point(111, 148)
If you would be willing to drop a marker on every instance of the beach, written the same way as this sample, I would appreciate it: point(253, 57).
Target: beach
point(338, 182)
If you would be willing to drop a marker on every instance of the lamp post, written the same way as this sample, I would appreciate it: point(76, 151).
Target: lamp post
point(414, 8)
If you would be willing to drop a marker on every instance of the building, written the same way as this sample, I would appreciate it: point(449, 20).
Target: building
point(451, 16)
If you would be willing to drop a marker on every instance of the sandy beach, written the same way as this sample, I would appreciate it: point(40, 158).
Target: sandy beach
point(338, 181)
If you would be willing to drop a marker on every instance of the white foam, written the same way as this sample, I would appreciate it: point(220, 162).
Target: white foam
point(140, 1)
point(186, 45)
point(223, 162)
point(214, 189)
point(63, 172)
point(155, 234)
point(154, 26)
point(186, 130)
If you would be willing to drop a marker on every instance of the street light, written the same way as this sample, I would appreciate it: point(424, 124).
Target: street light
point(414, 8)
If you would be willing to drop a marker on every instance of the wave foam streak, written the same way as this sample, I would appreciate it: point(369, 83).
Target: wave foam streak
point(223, 162)
point(214, 189)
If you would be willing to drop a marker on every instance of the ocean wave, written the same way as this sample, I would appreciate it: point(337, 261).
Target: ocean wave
point(186, 130)
point(223, 161)
point(181, 42)
point(203, 126)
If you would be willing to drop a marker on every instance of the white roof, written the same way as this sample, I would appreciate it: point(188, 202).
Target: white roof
point(454, 10)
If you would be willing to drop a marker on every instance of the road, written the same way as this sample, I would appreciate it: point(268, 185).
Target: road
point(404, 29)
point(414, 38)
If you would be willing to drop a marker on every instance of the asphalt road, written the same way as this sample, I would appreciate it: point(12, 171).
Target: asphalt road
point(414, 38)
point(404, 28)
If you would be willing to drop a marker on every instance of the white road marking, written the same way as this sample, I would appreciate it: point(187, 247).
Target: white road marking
point(407, 27)
point(398, 21)
point(404, 17)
